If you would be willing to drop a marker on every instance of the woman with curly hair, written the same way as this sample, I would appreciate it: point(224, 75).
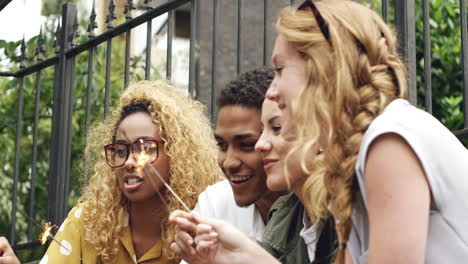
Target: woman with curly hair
point(123, 211)
point(395, 176)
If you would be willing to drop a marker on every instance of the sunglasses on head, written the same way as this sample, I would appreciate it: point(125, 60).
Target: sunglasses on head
point(309, 5)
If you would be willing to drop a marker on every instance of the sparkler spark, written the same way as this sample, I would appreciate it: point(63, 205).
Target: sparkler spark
point(46, 234)
point(142, 157)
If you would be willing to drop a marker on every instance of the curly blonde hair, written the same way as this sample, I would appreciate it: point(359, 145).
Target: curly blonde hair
point(189, 142)
point(351, 78)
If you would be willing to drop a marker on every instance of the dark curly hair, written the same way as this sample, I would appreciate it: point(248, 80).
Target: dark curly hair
point(247, 90)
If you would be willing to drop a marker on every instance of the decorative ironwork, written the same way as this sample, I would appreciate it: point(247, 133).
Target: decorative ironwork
point(58, 31)
point(111, 16)
point(128, 9)
point(23, 54)
point(40, 50)
point(75, 32)
point(148, 4)
point(92, 23)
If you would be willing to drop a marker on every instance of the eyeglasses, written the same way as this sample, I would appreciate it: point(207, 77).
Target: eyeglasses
point(144, 150)
point(309, 5)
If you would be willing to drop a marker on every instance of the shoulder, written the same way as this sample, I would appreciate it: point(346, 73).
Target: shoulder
point(215, 199)
point(217, 192)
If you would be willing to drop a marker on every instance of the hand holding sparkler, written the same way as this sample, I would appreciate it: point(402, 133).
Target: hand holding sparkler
point(7, 256)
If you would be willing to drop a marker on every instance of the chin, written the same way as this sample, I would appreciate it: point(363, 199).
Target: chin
point(277, 186)
point(244, 203)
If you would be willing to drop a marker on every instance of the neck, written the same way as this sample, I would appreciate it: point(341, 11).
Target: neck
point(146, 217)
point(264, 204)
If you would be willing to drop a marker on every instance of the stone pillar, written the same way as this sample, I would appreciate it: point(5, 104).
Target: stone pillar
point(252, 36)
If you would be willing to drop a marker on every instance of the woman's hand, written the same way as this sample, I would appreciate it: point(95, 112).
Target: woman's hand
point(7, 256)
point(214, 241)
point(184, 244)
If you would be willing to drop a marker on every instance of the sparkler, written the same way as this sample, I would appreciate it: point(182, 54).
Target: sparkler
point(47, 227)
point(142, 160)
point(46, 234)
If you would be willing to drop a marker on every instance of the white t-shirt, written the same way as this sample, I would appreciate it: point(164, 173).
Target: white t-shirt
point(310, 235)
point(218, 201)
point(445, 163)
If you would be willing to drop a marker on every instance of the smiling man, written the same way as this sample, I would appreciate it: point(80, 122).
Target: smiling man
point(243, 199)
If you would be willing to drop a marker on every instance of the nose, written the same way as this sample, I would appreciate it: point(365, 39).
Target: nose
point(231, 162)
point(131, 162)
point(262, 145)
point(272, 92)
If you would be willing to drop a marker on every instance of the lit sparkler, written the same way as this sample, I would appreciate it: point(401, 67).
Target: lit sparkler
point(142, 160)
point(46, 234)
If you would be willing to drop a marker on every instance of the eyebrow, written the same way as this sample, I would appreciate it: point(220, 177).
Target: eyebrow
point(273, 119)
point(236, 137)
point(125, 141)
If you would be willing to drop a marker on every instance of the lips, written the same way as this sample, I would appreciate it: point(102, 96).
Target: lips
point(237, 179)
point(132, 182)
point(268, 163)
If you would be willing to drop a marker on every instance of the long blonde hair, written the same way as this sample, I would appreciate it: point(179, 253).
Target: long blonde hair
point(189, 143)
point(351, 79)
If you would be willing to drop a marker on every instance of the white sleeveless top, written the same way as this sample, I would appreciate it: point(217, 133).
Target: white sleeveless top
point(445, 163)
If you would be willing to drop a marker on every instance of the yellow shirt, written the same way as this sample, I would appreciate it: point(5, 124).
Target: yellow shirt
point(75, 249)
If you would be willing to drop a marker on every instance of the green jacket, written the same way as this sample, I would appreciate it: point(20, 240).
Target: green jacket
point(281, 237)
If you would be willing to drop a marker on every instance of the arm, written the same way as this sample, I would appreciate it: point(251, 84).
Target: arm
point(7, 256)
point(398, 197)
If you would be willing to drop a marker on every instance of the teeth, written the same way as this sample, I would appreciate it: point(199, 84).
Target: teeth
point(239, 178)
point(133, 181)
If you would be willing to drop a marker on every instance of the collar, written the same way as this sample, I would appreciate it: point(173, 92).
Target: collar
point(127, 241)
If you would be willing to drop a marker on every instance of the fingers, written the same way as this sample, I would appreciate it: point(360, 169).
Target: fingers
point(7, 256)
point(184, 243)
point(5, 248)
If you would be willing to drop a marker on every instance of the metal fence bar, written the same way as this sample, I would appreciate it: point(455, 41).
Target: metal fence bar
point(52, 198)
point(8, 74)
point(193, 43)
point(385, 10)
point(427, 57)
point(462, 134)
point(89, 90)
point(34, 155)
point(19, 126)
point(108, 71)
point(128, 16)
point(266, 37)
point(58, 170)
point(170, 30)
point(463, 24)
point(405, 27)
point(239, 37)
point(127, 58)
point(71, 84)
point(32, 69)
point(213, 58)
point(149, 29)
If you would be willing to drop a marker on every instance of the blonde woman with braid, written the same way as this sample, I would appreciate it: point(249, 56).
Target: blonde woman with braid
point(396, 178)
point(123, 213)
